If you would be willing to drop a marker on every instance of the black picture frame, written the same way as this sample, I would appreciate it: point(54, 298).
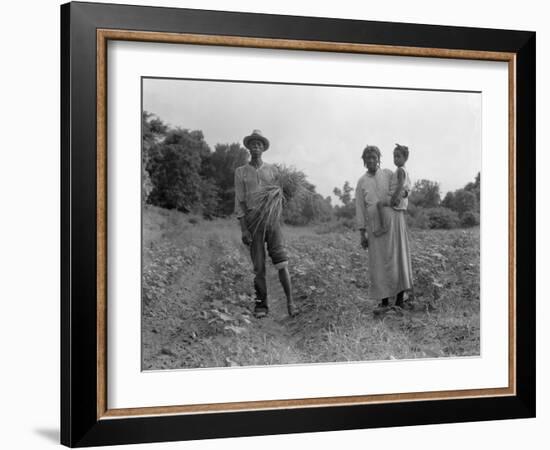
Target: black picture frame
point(80, 425)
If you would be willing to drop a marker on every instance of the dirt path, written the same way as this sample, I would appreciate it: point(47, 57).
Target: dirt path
point(282, 331)
point(180, 303)
point(182, 338)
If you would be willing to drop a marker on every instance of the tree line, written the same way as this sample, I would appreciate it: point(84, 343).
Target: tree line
point(180, 171)
point(459, 208)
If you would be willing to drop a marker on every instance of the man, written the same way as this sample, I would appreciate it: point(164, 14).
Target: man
point(249, 179)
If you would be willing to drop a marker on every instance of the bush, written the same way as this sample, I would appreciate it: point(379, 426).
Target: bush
point(335, 226)
point(419, 219)
point(312, 208)
point(345, 211)
point(301, 205)
point(469, 219)
point(464, 201)
point(416, 217)
point(441, 218)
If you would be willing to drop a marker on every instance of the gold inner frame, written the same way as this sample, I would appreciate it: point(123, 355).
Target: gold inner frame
point(103, 36)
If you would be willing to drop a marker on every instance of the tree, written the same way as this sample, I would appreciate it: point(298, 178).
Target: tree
point(176, 168)
point(464, 201)
point(449, 201)
point(345, 194)
point(153, 131)
point(307, 208)
point(469, 219)
point(223, 162)
point(346, 211)
point(475, 187)
point(153, 128)
point(209, 198)
point(425, 194)
point(318, 209)
point(458, 207)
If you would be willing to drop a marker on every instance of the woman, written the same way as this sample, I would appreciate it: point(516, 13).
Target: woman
point(389, 256)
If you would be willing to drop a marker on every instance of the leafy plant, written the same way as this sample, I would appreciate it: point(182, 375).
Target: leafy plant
point(441, 218)
point(469, 219)
point(425, 194)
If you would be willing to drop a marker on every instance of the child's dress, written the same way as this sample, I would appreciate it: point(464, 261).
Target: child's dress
point(403, 202)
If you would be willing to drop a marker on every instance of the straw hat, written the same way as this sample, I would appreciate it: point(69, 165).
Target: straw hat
point(256, 135)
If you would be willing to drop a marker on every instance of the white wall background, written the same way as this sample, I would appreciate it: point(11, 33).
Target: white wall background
point(29, 255)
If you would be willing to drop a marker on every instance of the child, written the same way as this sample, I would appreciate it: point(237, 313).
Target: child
point(399, 183)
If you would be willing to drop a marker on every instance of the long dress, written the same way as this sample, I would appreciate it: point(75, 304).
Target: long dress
point(389, 254)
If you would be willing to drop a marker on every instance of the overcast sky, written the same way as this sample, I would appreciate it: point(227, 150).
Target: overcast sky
point(322, 130)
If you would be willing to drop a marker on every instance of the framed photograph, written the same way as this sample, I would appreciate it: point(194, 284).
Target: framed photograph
point(277, 224)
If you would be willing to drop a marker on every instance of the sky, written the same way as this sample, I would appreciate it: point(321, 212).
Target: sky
point(322, 130)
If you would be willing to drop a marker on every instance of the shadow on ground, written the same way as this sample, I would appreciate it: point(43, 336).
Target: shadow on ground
point(50, 434)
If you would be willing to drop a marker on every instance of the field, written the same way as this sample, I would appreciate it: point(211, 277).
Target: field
point(198, 297)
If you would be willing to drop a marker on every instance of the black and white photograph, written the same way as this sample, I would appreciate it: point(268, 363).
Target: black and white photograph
point(296, 224)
